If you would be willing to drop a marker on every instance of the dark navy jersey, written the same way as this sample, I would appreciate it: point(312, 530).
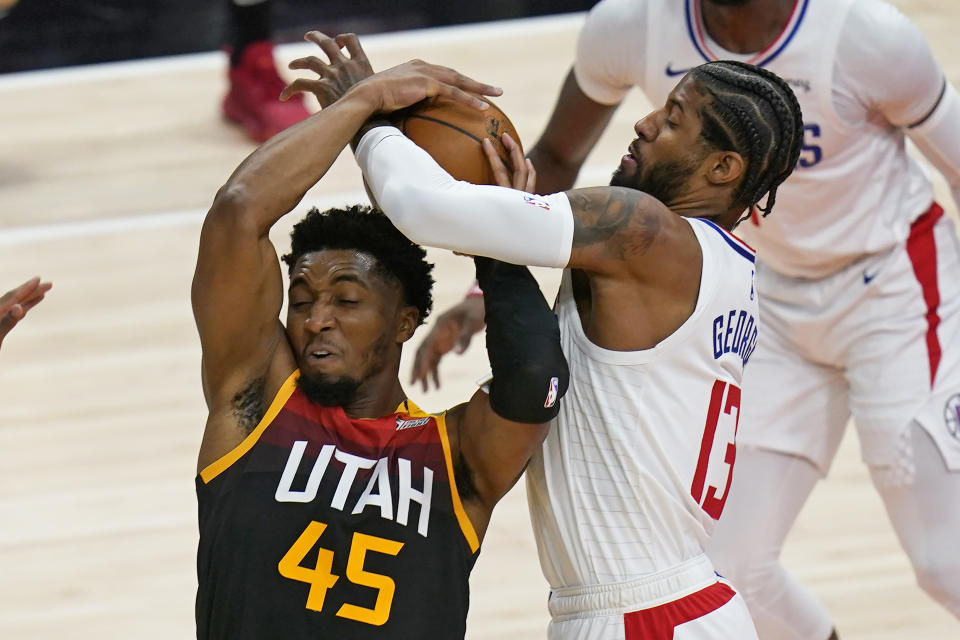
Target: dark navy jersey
point(320, 526)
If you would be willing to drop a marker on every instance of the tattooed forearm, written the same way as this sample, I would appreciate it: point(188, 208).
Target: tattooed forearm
point(615, 218)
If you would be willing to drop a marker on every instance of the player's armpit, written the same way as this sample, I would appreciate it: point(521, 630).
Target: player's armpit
point(491, 452)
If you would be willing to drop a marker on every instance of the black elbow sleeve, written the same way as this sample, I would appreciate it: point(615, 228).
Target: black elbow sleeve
point(530, 372)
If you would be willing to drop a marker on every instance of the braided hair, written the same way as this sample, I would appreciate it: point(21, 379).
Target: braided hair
point(755, 113)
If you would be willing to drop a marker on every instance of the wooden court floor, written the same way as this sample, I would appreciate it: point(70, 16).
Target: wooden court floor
point(105, 174)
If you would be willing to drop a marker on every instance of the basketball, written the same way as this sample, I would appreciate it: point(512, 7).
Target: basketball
point(451, 133)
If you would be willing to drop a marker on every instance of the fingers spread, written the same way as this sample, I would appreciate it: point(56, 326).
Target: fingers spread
point(304, 85)
point(313, 63)
point(350, 42)
point(330, 47)
point(326, 44)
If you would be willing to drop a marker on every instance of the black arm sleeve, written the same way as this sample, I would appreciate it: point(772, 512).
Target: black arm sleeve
point(530, 372)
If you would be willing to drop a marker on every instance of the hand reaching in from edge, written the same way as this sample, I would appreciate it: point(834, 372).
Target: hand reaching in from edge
point(15, 303)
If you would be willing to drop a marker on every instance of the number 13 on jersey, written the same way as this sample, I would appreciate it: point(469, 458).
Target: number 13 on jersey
point(724, 411)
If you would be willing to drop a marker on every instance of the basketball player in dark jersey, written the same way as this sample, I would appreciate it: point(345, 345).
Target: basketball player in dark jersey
point(330, 505)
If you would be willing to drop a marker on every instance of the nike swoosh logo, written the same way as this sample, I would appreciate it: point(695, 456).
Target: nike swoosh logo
point(675, 72)
point(868, 277)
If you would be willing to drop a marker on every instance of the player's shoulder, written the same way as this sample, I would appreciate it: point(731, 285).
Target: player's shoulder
point(624, 206)
point(729, 246)
point(878, 22)
point(410, 410)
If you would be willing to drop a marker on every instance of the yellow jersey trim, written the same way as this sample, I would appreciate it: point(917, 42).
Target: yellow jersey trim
point(221, 464)
point(465, 525)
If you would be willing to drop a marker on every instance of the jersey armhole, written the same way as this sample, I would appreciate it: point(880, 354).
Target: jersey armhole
point(222, 463)
point(462, 518)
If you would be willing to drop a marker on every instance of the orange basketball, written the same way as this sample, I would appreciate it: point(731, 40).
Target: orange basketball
point(451, 133)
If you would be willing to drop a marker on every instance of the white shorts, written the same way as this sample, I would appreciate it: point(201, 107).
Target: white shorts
point(686, 602)
point(879, 340)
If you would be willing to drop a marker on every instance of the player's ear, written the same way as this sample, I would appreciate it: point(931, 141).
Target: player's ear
point(408, 319)
point(725, 167)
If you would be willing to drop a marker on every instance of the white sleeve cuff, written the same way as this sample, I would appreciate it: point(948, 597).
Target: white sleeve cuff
point(372, 138)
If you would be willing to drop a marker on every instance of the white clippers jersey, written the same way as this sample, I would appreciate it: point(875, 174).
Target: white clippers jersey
point(861, 72)
point(637, 464)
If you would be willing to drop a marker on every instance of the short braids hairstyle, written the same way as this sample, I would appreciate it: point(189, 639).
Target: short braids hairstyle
point(755, 113)
point(369, 231)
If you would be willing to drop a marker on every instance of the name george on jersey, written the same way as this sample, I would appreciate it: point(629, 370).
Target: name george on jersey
point(734, 332)
point(377, 494)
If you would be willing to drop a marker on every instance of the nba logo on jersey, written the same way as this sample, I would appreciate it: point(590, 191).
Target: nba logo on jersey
point(552, 393)
point(537, 202)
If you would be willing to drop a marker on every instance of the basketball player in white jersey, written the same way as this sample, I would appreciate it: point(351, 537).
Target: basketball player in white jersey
point(857, 273)
point(658, 317)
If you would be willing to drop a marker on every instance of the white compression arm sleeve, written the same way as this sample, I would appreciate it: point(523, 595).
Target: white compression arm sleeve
point(433, 209)
point(938, 137)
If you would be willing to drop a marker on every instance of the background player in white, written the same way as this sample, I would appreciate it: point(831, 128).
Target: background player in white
point(857, 272)
point(657, 314)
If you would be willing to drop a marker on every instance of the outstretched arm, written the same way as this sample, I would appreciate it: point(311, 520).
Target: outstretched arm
point(605, 230)
point(237, 268)
point(237, 287)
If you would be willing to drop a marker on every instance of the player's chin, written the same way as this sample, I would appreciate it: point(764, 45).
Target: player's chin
point(625, 174)
point(327, 389)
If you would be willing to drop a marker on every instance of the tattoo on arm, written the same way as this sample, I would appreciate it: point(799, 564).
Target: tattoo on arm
point(616, 219)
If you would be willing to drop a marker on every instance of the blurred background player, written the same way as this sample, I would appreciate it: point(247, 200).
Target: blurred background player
point(15, 304)
point(253, 99)
point(857, 272)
